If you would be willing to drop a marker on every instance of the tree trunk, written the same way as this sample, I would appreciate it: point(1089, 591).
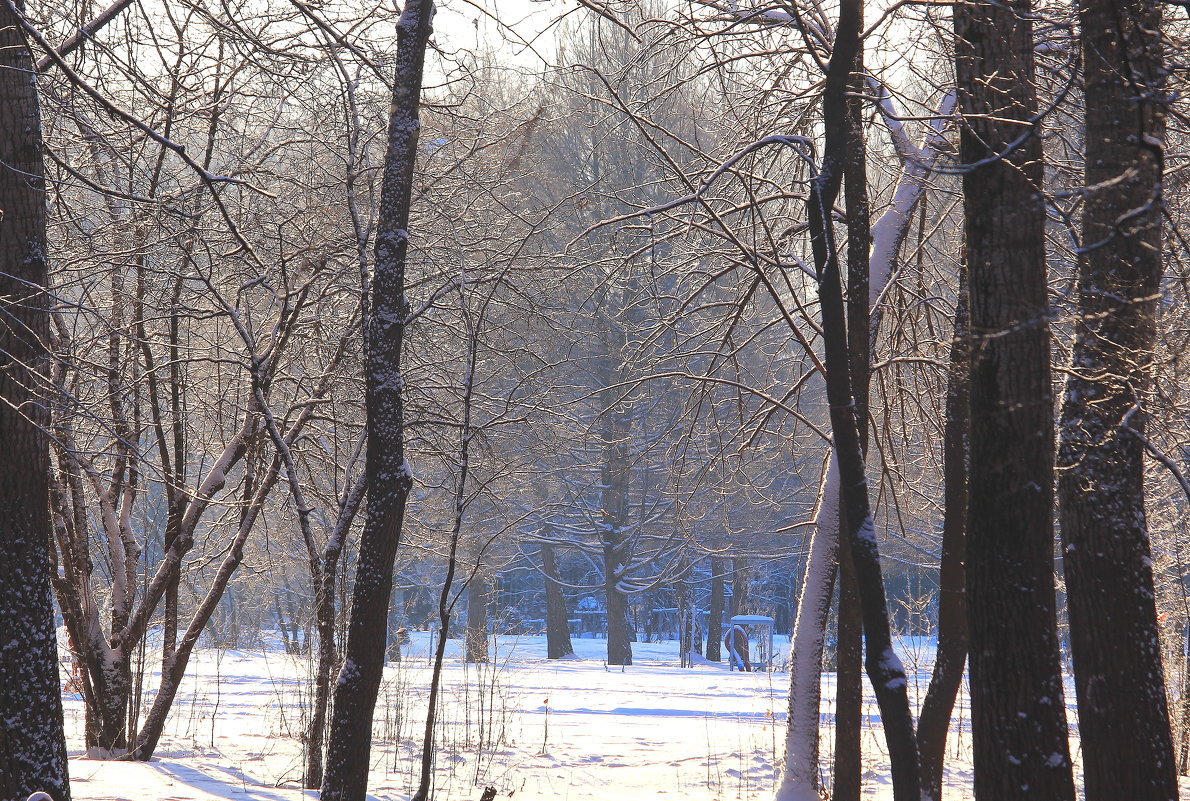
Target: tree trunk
point(715, 613)
point(849, 698)
point(327, 582)
point(616, 542)
point(683, 605)
point(849, 650)
point(387, 474)
point(799, 778)
point(883, 666)
point(110, 681)
point(32, 744)
point(324, 615)
point(475, 634)
point(1018, 712)
point(934, 721)
point(740, 602)
point(557, 622)
point(1122, 709)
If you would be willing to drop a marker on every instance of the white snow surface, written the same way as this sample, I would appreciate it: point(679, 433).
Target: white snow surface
point(571, 730)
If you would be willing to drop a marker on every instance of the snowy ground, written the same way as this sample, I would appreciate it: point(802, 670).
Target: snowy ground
point(569, 730)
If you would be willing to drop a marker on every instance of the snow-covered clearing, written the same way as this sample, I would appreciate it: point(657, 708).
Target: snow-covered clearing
point(534, 729)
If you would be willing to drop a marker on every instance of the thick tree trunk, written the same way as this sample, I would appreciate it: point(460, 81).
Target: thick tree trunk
point(933, 723)
point(106, 732)
point(557, 622)
point(715, 612)
point(1018, 713)
point(32, 745)
point(475, 634)
point(1122, 709)
point(619, 638)
point(388, 475)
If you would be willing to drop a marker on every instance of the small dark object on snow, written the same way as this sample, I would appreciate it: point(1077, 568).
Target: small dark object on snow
point(489, 794)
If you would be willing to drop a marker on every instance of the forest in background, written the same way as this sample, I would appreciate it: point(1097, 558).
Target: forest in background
point(319, 323)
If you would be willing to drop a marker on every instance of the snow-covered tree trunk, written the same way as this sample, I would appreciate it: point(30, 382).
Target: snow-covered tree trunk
point(883, 667)
point(388, 475)
point(1122, 709)
point(32, 745)
point(1018, 711)
point(799, 779)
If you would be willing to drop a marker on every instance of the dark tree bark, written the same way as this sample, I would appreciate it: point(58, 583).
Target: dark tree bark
point(1122, 709)
point(883, 666)
point(557, 622)
point(326, 582)
point(740, 602)
point(933, 722)
point(715, 613)
point(1018, 713)
point(616, 542)
point(388, 476)
point(32, 744)
point(475, 633)
point(849, 650)
point(848, 768)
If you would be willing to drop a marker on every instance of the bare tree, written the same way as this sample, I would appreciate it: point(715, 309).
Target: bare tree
point(388, 475)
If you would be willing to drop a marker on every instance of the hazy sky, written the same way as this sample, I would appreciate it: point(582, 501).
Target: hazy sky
point(513, 29)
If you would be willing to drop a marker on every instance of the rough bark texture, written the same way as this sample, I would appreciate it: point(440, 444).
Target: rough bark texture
point(1017, 710)
point(1122, 709)
point(557, 623)
point(32, 745)
point(933, 722)
point(475, 634)
point(388, 475)
point(715, 612)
